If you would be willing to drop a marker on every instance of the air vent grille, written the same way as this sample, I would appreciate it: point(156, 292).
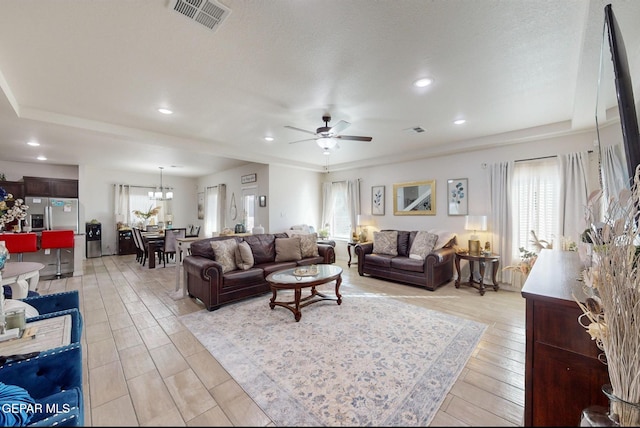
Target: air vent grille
point(416, 129)
point(205, 12)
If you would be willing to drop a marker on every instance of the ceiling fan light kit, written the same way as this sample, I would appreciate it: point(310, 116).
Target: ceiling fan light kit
point(327, 136)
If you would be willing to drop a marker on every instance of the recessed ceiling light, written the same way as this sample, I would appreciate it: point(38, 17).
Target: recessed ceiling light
point(421, 83)
point(41, 158)
point(165, 111)
point(268, 138)
point(459, 121)
point(33, 143)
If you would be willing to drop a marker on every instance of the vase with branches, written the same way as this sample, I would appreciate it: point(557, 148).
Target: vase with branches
point(611, 313)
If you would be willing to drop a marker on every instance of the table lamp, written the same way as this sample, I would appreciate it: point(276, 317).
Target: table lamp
point(475, 223)
point(364, 221)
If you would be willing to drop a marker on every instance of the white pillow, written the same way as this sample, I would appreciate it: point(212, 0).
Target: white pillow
point(225, 252)
point(444, 238)
point(29, 311)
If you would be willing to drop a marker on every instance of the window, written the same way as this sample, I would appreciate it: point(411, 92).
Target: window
point(211, 210)
point(535, 202)
point(339, 223)
point(139, 200)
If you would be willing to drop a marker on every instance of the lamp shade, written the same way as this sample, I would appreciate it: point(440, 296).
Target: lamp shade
point(364, 220)
point(475, 222)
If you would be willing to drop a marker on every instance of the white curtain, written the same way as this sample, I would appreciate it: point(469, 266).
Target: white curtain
point(122, 210)
point(327, 204)
point(573, 195)
point(501, 222)
point(214, 209)
point(353, 203)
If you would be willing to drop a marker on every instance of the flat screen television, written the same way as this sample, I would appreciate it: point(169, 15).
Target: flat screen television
point(624, 93)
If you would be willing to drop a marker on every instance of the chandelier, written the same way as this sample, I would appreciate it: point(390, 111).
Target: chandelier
point(160, 194)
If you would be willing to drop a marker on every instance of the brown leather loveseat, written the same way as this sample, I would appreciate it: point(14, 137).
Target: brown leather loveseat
point(214, 284)
point(431, 272)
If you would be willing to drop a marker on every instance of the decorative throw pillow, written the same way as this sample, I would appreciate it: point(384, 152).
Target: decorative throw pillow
point(19, 403)
point(288, 249)
point(244, 256)
point(309, 245)
point(385, 242)
point(422, 245)
point(445, 238)
point(225, 252)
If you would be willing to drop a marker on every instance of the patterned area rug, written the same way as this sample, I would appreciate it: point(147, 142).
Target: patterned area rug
point(371, 361)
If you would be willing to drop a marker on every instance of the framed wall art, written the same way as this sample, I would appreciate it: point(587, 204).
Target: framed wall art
point(415, 198)
point(458, 196)
point(377, 200)
point(249, 178)
point(200, 205)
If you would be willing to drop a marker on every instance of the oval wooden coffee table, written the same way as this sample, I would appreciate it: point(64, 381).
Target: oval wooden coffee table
point(296, 279)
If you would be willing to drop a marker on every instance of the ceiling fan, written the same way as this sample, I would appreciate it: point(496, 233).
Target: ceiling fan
point(327, 136)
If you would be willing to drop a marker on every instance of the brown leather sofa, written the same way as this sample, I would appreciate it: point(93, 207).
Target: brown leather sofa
point(435, 270)
point(206, 281)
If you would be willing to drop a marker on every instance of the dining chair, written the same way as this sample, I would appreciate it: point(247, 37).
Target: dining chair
point(140, 245)
point(195, 231)
point(170, 247)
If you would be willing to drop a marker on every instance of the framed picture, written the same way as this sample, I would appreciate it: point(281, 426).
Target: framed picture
point(415, 198)
point(458, 196)
point(249, 178)
point(262, 200)
point(377, 200)
point(201, 206)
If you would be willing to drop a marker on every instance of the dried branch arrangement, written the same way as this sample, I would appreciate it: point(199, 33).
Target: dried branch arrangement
point(613, 284)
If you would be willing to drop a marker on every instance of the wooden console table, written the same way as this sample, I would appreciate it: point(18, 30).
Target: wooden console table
point(563, 375)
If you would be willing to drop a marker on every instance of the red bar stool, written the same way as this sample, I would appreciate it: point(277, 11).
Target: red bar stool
point(18, 243)
point(57, 239)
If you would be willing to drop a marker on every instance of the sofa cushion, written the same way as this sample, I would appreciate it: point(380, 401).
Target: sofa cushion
point(404, 243)
point(288, 249)
point(385, 242)
point(225, 253)
point(408, 264)
point(309, 245)
point(422, 245)
point(263, 247)
point(244, 256)
point(378, 260)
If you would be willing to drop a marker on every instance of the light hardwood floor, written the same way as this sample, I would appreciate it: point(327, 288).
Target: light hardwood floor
point(143, 368)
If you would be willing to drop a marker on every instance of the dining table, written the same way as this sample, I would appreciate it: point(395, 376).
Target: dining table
point(184, 245)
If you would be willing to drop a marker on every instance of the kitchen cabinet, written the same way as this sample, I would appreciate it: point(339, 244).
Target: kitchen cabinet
point(126, 245)
point(16, 188)
point(563, 375)
point(56, 187)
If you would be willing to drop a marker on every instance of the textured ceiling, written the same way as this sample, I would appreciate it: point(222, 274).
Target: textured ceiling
point(85, 79)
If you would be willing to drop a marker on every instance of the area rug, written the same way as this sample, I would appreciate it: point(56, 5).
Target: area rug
point(372, 361)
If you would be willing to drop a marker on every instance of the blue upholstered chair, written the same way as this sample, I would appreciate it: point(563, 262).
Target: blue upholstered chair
point(53, 378)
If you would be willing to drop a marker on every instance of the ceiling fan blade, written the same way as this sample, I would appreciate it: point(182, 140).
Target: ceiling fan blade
point(301, 130)
point(340, 126)
point(353, 137)
point(300, 141)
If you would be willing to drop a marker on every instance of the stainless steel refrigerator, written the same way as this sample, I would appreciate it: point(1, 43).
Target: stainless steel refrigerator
point(52, 213)
point(48, 213)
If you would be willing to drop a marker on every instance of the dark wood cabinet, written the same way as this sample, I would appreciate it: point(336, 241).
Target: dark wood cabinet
point(16, 188)
point(57, 187)
point(126, 245)
point(563, 375)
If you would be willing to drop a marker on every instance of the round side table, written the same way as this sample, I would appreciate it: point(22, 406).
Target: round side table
point(482, 260)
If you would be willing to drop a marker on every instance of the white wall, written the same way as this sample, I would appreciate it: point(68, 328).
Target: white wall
point(294, 195)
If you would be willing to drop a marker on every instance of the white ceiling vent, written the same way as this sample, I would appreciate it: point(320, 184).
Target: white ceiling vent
point(211, 14)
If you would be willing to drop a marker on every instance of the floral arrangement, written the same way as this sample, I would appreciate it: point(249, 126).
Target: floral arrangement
point(11, 211)
point(527, 260)
point(612, 283)
point(145, 215)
